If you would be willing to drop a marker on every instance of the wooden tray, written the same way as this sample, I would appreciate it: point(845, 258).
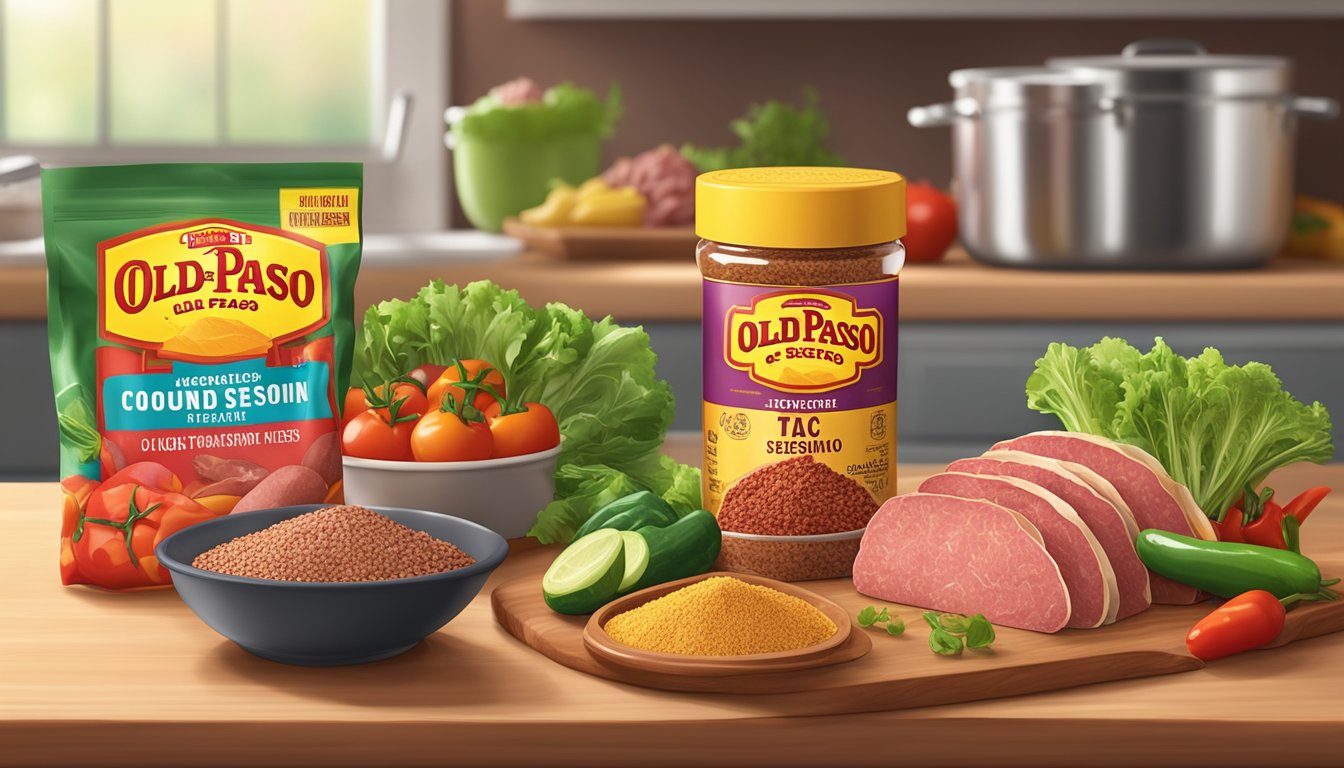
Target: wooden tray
point(901, 672)
point(607, 243)
point(843, 646)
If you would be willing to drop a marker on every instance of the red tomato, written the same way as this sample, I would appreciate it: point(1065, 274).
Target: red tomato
point(75, 492)
point(415, 399)
point(427, 373)
point(931, 222)
point(444, 436)
point(447, 382)
point(142, 500)
point(530, 431)
point(355, 404)
point(369, 436)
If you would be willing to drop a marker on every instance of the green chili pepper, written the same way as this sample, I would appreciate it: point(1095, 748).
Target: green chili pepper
point(1228, 569)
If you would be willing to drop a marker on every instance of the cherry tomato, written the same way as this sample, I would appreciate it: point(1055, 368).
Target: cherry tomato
point(427, 373)
point(355, 404)
point(369, 436)
point(415, 399)
point(530, 431)
point(931, 222)
point(447, 382)
point(444, 436)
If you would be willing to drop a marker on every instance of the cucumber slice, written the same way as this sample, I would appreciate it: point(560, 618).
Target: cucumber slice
point(586, 574)
point(636, 559)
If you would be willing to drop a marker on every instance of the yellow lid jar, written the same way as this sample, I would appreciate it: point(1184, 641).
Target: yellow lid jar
point(800, 270)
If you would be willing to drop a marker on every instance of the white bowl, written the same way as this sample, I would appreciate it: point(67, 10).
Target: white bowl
point(503, 495)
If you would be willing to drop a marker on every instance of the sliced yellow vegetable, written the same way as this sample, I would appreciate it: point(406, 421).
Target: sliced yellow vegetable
point(622, 207)
point(593, 185)
point(555, 210)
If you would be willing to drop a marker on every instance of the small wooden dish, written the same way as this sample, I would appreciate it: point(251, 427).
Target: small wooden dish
point(607, 243)
point(606, 650)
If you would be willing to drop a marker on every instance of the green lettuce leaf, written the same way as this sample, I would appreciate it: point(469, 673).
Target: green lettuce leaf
point(596, 377)
point(581, 490)
point(773, 133)
point(1215, 427)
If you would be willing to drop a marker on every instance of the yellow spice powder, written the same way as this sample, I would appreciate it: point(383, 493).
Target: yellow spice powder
point(722, 616)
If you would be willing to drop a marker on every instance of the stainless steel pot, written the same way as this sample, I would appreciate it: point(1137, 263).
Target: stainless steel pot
point(1164, 157)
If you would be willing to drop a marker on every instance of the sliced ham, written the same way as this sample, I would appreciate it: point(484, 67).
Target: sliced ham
point(1096, 504)
point(1087, 572)
point(1140, 483)
point(964, 556)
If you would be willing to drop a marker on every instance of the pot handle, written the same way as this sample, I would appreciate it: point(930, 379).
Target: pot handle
point(1318, 107)
point(935, 115)
point(1155, 46)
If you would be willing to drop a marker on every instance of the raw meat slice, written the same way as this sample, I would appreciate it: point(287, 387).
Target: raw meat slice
point(1110, 521)
point(1087, 573)
point(1199, 521)
point(962, 556)
point(1141, 486)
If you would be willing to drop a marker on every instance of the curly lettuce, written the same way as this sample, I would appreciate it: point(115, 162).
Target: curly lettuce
point(773, 133)
point(1215, 427)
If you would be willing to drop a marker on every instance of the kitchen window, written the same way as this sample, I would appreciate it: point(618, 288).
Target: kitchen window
point(119, 81)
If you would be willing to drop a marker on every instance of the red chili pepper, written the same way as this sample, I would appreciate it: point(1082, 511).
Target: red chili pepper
point(1306, 501)
point(1247, 621)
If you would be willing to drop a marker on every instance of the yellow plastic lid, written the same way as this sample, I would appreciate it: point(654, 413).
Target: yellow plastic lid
point(791, 207)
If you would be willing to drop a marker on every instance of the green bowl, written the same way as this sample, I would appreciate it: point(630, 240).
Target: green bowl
point(500, 178)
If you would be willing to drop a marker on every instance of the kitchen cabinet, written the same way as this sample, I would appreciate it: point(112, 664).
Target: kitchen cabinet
point(969, 334)
point(961, 385)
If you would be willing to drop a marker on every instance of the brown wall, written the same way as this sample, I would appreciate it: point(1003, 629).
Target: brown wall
point(684, 80)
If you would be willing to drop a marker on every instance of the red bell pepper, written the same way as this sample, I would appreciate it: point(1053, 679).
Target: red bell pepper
point(1258, 519)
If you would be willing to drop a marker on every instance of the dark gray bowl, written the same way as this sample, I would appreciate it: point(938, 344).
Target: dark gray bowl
point(328, 623)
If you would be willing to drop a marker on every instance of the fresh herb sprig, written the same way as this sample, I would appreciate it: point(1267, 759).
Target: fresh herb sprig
point(949, 633)
point(870, 616)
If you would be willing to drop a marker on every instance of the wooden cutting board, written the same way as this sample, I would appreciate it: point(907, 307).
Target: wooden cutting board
point(607, 243)
point(901, 672)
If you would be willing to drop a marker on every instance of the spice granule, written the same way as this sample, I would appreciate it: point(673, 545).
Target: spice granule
point(336, 544)
point(722, 616)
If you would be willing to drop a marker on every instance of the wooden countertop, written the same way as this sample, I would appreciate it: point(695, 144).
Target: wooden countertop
point(89, 676)
point(957, 289)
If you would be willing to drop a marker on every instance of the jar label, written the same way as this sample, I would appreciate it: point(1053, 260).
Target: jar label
point(792, 371)
point(815, 341)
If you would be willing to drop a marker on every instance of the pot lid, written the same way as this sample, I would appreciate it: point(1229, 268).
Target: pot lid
point(1013, 87)
point(1181, 68)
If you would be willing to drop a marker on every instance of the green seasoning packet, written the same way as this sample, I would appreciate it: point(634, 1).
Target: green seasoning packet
point(200, 326)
